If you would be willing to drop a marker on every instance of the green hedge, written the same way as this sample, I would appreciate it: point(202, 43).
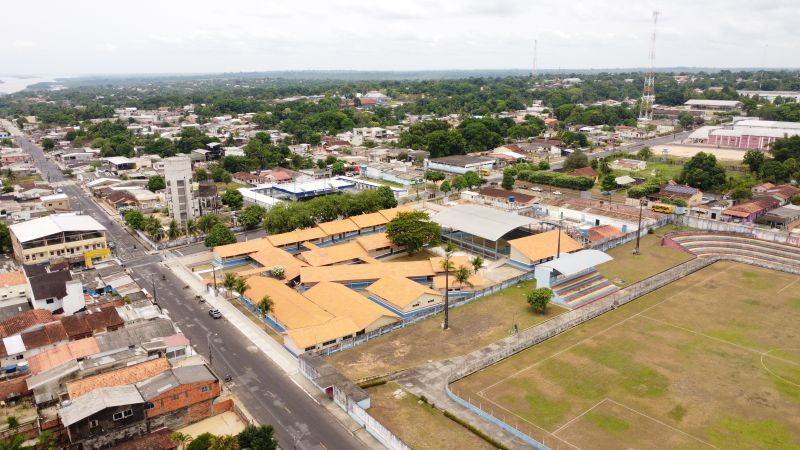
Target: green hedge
point(475, 431)
point(372, 383)
point(556, 179)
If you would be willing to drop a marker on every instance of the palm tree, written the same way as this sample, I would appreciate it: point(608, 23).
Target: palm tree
point(229, 281)
point(477, 263)
point(174, 231)
point(462, 277)
point(241, 285)
point(191, 228)
point(180, 438)
point(447, 265)
point(265, 305)
point(225, 442)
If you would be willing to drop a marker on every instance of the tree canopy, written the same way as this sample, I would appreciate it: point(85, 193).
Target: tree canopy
point(219, 235)
point(703, 171)
point(413, 230)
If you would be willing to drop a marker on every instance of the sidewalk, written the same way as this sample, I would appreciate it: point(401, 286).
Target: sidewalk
point(274, 350)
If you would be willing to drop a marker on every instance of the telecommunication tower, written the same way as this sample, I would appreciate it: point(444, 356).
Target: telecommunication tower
point(535, 48)
point(649, 93)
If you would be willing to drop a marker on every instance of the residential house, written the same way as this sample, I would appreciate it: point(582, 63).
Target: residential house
point(628, 164)
point(56, 202)
point(13, 294)
point(784, 218)
point(749, 211)
point(179, 396)
point(104, 417)
point(584, 172)
point(54, 291)
point(692, 196)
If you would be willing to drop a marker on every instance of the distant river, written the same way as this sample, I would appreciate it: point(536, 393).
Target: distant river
point(10, 85)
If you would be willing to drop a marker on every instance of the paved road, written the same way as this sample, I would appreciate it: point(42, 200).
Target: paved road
point(261, 385)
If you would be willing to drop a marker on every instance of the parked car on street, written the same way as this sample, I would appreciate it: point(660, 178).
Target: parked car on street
point(214, 313)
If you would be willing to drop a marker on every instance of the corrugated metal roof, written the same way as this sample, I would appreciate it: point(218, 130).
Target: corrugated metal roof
point(488, 223)
point(578, 261)
point(57, 223)
point(97, 401)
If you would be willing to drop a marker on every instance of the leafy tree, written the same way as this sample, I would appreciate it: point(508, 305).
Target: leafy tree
point(740, 193)
point(14, 444)
point(233, 199)
point(773, 171)
point(459, 183)
point(785, 148)
point(48, 144)
point(508, 181)
point(241, 285)
point(685, 119)
point(133, 218)
point(156, 183)
point(539, 298)
point(258, 438)
point(471, 179)
point(220, 175)
point(703, 172)
point(386, 197)
point(338, 168)
point(224, 442)
point(445, 187)
point(251, 216)
point(5, 239)
point(229, 282)
point(754, 160)
point(47, 441)
point(544, 165)
point(574, 140)
point(645, 153)
point(434, 175)
point(444, 143)
point(413, 230)
point(608, 183)
point(201, 442)
point(576, 160)
point(201, 174)
point(219, 235)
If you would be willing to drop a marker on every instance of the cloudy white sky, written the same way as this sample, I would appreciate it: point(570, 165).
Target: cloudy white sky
point(102, 36)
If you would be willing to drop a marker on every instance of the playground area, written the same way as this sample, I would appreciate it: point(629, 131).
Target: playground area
point(711, 360)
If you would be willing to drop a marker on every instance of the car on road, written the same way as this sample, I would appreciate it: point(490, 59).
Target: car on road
point(59, 190)
point(556, 192)
point(215, 313)
point(536, 189)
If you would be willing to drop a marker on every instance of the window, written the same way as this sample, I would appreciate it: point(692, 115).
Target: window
point(149, 405)
point(176, 396)
point(49, 301)
point(93, 423)
point(431, 300)
point(19, 356)
point(123, 414)
point(204, 389)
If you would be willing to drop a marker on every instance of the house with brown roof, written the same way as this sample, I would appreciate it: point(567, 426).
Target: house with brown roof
point(749, 211)
point(504, 198)
point(19, 347)
point(584, 172)
point(531, 250)
point(24, 321)
point(119, 377)
point(245, 178)
point(603, 232)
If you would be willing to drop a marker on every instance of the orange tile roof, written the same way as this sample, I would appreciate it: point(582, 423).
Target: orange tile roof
point(71, 350)
point(399, 291)
point(289, 307)
point(334, 254)
point(604, 232)
point(333, 329)
point(12, 278)
point(373, 241)
point(361, 272)
point(391, 213)
point(270, 257)
point(338, 226)
point(475, 282)
point(119, 377)
point(296, 236)
point(342, 301)
point(241, 248)
point(369, 220)
point(23, 321)
point(544, 245)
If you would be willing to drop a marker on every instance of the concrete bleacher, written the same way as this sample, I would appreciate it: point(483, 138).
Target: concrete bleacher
point(581, 289)
point(705, 243)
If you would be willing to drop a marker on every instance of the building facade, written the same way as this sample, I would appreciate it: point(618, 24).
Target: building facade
point(78, 240)
point(178, 177)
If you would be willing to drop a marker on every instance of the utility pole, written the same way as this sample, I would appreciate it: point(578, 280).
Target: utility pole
point(649, 93)
point(558, 248)
point(642, 203)
point(155, 295)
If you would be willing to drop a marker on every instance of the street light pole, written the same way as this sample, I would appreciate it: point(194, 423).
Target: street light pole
point(155, 295)
point(642, 202)
point(558, 249)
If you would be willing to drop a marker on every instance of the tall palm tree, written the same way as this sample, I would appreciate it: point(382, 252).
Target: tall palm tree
point(447, 265)
point(229, 281)
point(174, 230)
point(180, 438)
point(265, 305)
point(191, 228)
point(241, 285)
point(225, 442)
point(462, 277)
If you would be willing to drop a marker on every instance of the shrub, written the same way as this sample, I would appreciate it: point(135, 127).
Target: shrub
point(556, 179)
point(475, 431)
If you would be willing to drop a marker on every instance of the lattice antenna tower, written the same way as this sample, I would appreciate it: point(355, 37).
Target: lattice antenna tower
point(535, 49)
point(649, 93)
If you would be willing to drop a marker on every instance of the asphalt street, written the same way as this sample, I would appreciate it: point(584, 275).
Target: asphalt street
point(635, 147)
point(264, 389)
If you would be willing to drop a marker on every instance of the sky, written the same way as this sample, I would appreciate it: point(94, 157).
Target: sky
point(57, 37)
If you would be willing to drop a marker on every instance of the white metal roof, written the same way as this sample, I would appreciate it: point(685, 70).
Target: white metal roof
point(117, 160)
point(98, 400)
point(57, 223)
point(571, 263)
point(481, 221)
point(259, 199)
point(704, 102)
point(47, 198)
point(14, 344)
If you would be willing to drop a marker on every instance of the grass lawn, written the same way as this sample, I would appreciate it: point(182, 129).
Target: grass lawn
point(666, 170)
point(627, 268)
point(712, 360)
point(222, 187)
point(421, 255)
point(471, 326)
point(418, 424)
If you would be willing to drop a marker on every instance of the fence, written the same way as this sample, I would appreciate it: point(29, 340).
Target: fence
point(766, 234)
point(512, 345)
point(313, 368)
point(454, 303)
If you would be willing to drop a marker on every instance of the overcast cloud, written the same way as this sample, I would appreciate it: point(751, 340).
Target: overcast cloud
point(102, 36)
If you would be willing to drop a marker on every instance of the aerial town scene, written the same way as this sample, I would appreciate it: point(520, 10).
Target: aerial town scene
point(453, 224)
